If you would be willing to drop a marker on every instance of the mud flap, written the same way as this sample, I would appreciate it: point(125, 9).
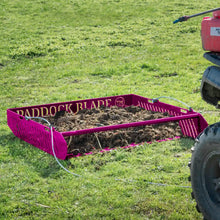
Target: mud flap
point(210, 85)
point(213, 57)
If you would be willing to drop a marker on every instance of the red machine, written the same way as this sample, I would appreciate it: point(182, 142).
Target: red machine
point(210, 32)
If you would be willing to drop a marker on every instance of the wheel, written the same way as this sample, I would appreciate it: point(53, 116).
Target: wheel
point(205, 172)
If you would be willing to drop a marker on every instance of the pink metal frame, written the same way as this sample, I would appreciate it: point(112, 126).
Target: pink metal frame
point(191, 123)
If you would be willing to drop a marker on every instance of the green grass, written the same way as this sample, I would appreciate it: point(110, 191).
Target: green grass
point(55, 51)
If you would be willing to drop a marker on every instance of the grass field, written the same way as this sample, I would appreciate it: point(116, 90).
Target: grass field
point(57, 51)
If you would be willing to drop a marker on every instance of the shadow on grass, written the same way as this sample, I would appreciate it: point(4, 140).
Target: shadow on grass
point(46, 164)
point(39, 160)
point(186, 143)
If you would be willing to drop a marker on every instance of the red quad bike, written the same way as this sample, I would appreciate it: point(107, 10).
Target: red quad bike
point(205, 160)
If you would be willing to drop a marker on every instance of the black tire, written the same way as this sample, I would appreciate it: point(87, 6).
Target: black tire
point(205, 172)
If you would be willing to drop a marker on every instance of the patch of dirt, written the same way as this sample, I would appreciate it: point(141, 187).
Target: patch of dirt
point(104, 116)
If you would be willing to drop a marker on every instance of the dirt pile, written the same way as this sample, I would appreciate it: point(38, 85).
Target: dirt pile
point(104, 116)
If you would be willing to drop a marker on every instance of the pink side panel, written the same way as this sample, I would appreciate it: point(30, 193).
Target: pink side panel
point(37, 134)
point(190, 127)
point(73, 106)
